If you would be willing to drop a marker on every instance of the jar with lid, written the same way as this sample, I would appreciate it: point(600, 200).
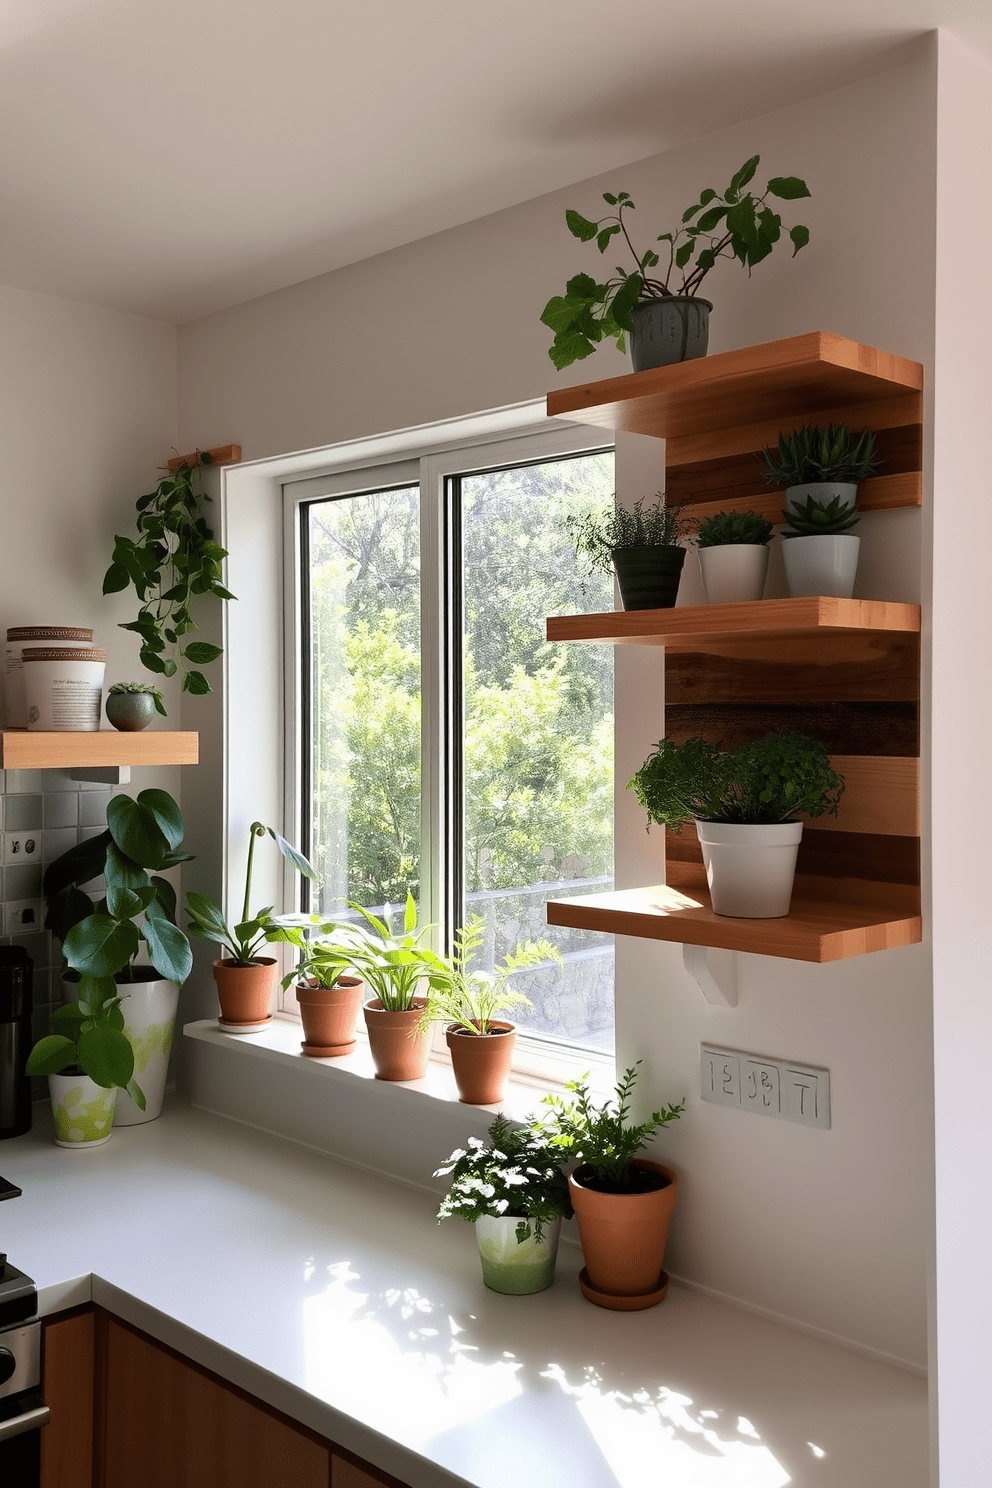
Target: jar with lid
point(19, 636)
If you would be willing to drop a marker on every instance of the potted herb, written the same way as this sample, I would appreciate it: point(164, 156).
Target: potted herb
point(468, 1000)
point(819, 548)
point(623, 1203)
point(745, 804)
point(245, 980)
point(662, 312)
point(131, 706)
point(101, 938)
point(733, 556)
point(641, 547)
point(328, 996)
point(516, 1195)
point(88, 1059)
point(822, 463)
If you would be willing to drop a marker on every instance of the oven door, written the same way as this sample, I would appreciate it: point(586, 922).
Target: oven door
point(22, 1411)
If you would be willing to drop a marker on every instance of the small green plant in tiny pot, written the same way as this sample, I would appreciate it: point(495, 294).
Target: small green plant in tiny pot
point(88, 1059)
point(131, 706)
point(733, 556)
point(641, 545)
point(515, 1194)
point(329, 996)
point(745, 803)
point(623, 1202)
point(822, 463)
point(656, 301)
point(819, 547)
point(245, 980)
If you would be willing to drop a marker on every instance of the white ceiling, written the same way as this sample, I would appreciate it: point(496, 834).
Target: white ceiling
point(171, 157)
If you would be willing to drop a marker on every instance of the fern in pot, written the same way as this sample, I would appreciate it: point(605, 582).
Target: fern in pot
point(733, 556)
point(746, 804)
point(642, 546)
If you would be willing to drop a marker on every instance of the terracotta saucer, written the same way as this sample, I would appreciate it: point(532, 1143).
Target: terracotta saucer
point(623, 1304)
point(327, 1051)
point(244, 1027)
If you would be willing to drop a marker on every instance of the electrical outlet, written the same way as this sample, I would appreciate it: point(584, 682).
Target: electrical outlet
point(22, 847)
point(23, 916)
point(769, 1087)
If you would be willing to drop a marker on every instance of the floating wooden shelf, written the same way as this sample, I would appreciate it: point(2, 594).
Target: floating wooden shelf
point(221, 454)
point(705, 628)
point(24, 750)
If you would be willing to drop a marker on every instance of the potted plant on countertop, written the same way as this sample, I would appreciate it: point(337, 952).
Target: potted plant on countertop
point(745, 804)
point(245, 980)
point(329, 997)
point(101, 939)
point(623, 1203)
point(468, 1000)
point(733, 556)
point(515, 1193)
point(641, 547)
point(666, 323)
point(88, 1060)
point(131, 706)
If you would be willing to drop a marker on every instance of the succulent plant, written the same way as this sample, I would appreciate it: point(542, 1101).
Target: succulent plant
point(813, 518)
point(832, 454)
point(734, 529)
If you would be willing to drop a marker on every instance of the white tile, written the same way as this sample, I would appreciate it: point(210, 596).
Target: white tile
point(23, 881)
point(24, 917)
point(58, 780)
point(20, 781)
point(93, 810)
point(60, 810)
point(54, 844)
point(23, 813)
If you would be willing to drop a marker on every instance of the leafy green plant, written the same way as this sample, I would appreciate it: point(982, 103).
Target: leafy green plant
point(101, 939)
point(392, 966)
point(172, 560)
point(244, 940)
point(322, 960)
point(470, 997)
point(732, 224)
point(89, 1037)
point(832, 454)
point(602, 1137)
point(128, 689)
point(734, 529)
point(519, 1175)
point(812, 518)
point(772, 779)
point(598, 535)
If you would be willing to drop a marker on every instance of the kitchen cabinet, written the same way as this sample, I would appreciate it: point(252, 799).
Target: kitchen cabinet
point(67, 1389)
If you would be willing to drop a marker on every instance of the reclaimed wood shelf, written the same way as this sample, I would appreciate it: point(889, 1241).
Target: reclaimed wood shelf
point(104, 748)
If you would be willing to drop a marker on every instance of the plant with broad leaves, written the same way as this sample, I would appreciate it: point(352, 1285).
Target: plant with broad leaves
point(833, 454)
point(773, 779)
point(471, 997)
point(602, 1137)
point(734, 529)
point(89, 1037)
point(393, 966)
point(813, 518)
point(244, 940)
point(518, 1176)
point(172, 560)
point(732, 224)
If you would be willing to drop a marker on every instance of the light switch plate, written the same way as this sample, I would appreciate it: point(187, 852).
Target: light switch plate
point(768, 1087)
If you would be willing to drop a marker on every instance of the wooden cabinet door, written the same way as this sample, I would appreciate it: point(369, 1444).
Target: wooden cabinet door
point(67, 1389)
point(169, 1425)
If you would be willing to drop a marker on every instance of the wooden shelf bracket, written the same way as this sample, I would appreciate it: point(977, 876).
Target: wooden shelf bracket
point(714, 971)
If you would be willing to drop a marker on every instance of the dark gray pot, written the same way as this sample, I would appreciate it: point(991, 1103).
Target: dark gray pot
point(648, 576)
point(673, 329)
point(130, 711)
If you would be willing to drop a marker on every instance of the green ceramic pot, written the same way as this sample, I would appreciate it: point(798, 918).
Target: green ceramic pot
point(130, 711)
point(516, 1267)
point(648, 575)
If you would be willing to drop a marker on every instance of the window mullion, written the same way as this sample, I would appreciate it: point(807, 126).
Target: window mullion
point(440, 644)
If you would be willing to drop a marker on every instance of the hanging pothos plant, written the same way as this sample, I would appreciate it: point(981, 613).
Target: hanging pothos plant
point(172, 560)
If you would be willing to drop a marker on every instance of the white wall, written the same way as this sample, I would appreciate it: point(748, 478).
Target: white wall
point(827, 1228)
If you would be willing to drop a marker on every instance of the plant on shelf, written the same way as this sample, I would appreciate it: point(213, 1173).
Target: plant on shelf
point(831, 456)
point(88, 1059)
point(640, 545)
point(172, 561)
point(734, 224)
point(245, 980)
point(820, 548)
point(469, 999)
point(745, 803)
point(101, 939)
point(733, 556)
point(515, 1194)
point(131, 706)
point(734, 529)
point(623, 1202)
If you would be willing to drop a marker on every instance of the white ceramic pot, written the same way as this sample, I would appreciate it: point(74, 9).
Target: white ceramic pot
point(733, 573)
point(149, 1010)
point(63, 688)
point(19, 636)
point(516, 1267)
point(83, 1111)
point(821, 564)
point(825, 491)
point(750, 869)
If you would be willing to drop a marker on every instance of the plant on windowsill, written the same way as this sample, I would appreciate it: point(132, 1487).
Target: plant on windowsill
point(745, 804)
point(329, 996)
point(640, 546)
point(468, 1000)
point(666, 324)
point(733, 556)
point(101, 939)
point(245, 980)
point(623, 1203)
point(515, 1194)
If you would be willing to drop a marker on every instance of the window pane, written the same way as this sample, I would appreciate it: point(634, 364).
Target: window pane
point(538, 736)
point(364, 609)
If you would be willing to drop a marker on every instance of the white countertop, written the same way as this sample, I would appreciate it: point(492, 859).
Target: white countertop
point(333, 1295)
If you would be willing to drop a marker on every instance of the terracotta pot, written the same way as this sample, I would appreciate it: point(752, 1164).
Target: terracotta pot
point(328, 1015)
point(399, 1047)
point(623, 1235)
point(245, 992)
point(481, 1061)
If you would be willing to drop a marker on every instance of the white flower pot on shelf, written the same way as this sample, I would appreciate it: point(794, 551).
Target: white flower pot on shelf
point(825, 491)
point(734, 573)
point(750, 869)
point(83, 1111)
point(821, 564)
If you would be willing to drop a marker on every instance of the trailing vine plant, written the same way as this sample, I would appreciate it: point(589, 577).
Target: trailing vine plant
point(172, 560)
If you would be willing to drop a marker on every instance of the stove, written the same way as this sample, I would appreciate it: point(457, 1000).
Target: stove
point(22, 1411)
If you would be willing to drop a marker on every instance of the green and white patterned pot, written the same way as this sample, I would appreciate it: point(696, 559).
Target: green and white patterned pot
point(83, 1111)
point(149, 1010)
point(514, 1266)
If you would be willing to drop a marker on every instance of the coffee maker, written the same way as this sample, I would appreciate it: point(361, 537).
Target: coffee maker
point(16, 1006)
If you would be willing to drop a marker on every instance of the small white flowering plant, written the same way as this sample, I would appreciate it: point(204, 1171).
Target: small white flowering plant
point(518, 1176)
